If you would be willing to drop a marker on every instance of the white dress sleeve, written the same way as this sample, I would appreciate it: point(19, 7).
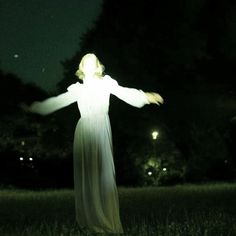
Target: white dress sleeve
point(132, 96)
point(55, 103)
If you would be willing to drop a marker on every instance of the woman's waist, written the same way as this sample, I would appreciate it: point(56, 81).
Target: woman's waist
point(94, 115)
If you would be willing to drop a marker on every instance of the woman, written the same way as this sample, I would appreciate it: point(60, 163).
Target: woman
point(96, 196)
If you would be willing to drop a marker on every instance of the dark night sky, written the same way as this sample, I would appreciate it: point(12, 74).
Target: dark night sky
point(37, 34)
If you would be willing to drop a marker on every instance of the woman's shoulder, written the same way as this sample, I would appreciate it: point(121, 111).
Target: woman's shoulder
point(74, 87)
point(109, 80)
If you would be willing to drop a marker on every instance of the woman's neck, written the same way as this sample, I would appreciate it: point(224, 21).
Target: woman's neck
point(90, 77)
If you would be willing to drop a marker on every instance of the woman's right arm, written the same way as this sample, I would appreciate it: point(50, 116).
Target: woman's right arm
point(55, 103)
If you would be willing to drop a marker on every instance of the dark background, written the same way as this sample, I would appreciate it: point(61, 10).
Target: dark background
point(184, 50)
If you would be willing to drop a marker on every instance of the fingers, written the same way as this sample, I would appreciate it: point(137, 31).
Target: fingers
point(159, 99)
point(155, 98)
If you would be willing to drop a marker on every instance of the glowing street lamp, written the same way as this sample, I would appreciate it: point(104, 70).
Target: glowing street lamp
point(154, 138)
point(154, 135)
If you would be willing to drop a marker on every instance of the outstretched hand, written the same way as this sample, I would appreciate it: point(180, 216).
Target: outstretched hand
point(24, 107)
point(154, 98)
point(27, 108)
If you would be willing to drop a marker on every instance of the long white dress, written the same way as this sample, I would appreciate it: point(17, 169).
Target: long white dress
point(96, 196)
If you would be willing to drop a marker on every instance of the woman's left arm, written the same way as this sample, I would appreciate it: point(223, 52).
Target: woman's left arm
point(132, 96)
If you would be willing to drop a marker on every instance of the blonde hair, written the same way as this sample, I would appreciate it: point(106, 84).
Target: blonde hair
point(99, 66)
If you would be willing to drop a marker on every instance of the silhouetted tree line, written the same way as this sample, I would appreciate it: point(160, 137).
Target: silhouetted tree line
point(185, 50)
point(35, 151)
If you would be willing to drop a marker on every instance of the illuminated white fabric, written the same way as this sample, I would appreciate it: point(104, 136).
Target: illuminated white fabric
point(96, 196)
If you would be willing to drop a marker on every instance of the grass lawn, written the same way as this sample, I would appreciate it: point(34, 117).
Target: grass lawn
point(207, 209)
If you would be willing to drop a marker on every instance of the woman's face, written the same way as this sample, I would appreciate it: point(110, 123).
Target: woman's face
point(89, 65)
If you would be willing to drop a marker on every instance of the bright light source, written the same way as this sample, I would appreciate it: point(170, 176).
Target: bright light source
point(22, 143)
point(149, 173)
point(154, 135)
point(21, 158)
point(153, 163)
point(31, 159)
point(164, 169)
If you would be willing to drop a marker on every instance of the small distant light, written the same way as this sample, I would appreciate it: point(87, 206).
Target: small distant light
point(31, 159)
point(21, 158)
point(16, 55)
point(149, 173)
point(154, 135)
point(22, 143)
point(164, 169)
point(225, 161)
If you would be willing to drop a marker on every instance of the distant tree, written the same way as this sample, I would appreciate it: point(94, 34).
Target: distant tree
point(183, 49)
point(32, 145)
point(28, 133)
